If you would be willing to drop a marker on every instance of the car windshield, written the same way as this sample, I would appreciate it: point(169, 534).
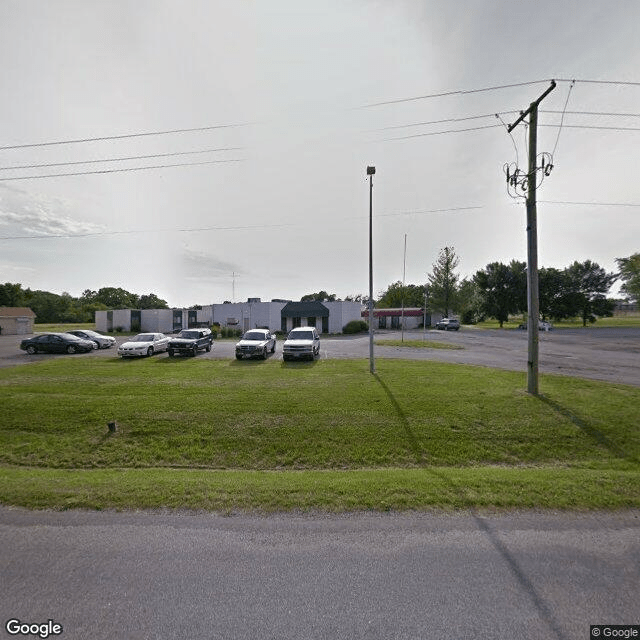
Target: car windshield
point(301, 335)
point(188, 334)
point(143, 337)
point(253, 335)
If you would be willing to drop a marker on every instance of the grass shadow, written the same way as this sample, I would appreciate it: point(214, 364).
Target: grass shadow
point(585, 427)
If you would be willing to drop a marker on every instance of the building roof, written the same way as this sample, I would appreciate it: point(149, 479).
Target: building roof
point(16, 312)
point(311, 309)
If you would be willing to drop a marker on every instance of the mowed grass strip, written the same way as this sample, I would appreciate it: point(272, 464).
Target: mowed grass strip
point(446, 488)
point(203, 433)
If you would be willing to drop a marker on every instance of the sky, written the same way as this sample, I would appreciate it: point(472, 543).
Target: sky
point(273, 111)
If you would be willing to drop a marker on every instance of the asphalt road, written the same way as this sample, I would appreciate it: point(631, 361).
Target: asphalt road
point(611, 354)
point(538, 576)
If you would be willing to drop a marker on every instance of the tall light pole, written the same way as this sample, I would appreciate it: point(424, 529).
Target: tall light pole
point(372, 365)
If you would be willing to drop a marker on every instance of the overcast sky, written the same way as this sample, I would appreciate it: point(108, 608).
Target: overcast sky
point(279, 94)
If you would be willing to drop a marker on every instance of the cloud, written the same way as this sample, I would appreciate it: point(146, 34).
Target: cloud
point(28, 214)
point(201, 266)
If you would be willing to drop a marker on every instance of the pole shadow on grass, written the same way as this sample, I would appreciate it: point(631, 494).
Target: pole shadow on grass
point(520, 575)
point(411, 437)
point(585, 427)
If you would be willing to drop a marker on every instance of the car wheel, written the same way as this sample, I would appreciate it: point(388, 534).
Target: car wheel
point(207, 348)
point(194, 351)
point(238, 356)
point(71, 349)
point(31, 350)
point(150, 351)
point(170, 352)
point(96, 345)
point(273, 349)
point(264, 353)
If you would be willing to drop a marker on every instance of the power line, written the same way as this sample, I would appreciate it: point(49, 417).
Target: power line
point(134, 231)
point(593, 204)
point(423, 211)
point(156, 155)
point(438, 133)
point(123, 136)
point(451, 93)
point(501, 113)
point(495, 88)
point(103, 171)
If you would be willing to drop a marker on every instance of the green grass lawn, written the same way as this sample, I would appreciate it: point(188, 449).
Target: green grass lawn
point(222, 435)
point(631, 320)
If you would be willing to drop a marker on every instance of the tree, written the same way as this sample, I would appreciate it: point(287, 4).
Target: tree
point(443, 282)
point(630, 274)
point(11, 295)
point(589, 283)
point(499, 287)
point(151, 301)
point(116, 298)
point(321, 296)
point(398, 295)
point(470, 302)
point(557, 300)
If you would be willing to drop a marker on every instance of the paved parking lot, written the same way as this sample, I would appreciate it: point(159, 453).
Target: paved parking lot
point(608, 354)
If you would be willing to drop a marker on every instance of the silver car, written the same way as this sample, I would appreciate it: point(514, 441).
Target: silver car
point(101, 342)
point(256, 344)
point(144, 344)
point(301, 343)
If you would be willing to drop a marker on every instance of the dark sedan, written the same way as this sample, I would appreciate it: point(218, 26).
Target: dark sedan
point(56, 343)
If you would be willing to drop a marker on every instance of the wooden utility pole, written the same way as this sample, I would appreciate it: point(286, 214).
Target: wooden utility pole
point(533, 302)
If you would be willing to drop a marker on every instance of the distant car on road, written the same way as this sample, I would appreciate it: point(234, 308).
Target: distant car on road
point(190, 341)
point(144, 344)
point(102, 342)
point(301, 343)
point(543, 325)
point(256, 344)
point(448, 324)
point(56, 343)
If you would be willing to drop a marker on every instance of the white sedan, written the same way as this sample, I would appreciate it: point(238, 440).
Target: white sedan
point(144, 344)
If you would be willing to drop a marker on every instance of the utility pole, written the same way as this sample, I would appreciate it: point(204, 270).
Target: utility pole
point(372, 365)
point(529, 182)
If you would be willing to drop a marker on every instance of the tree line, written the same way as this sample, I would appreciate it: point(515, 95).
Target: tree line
point(53, 307)
point(500, 290)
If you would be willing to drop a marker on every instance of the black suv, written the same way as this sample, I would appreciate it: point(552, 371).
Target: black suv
point(189, 341)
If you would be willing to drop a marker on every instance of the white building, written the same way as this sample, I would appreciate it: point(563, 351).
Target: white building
point(278, 315)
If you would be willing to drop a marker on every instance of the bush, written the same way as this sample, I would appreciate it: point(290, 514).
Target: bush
point(355, 326)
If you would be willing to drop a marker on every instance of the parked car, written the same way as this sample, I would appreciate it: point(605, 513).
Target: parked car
point(144, 344)
point(101, 342)
point(543, 325)
point(56, 343)
point(448, 324)
point(190, 341)
point(301, 343)
point(256, 344)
